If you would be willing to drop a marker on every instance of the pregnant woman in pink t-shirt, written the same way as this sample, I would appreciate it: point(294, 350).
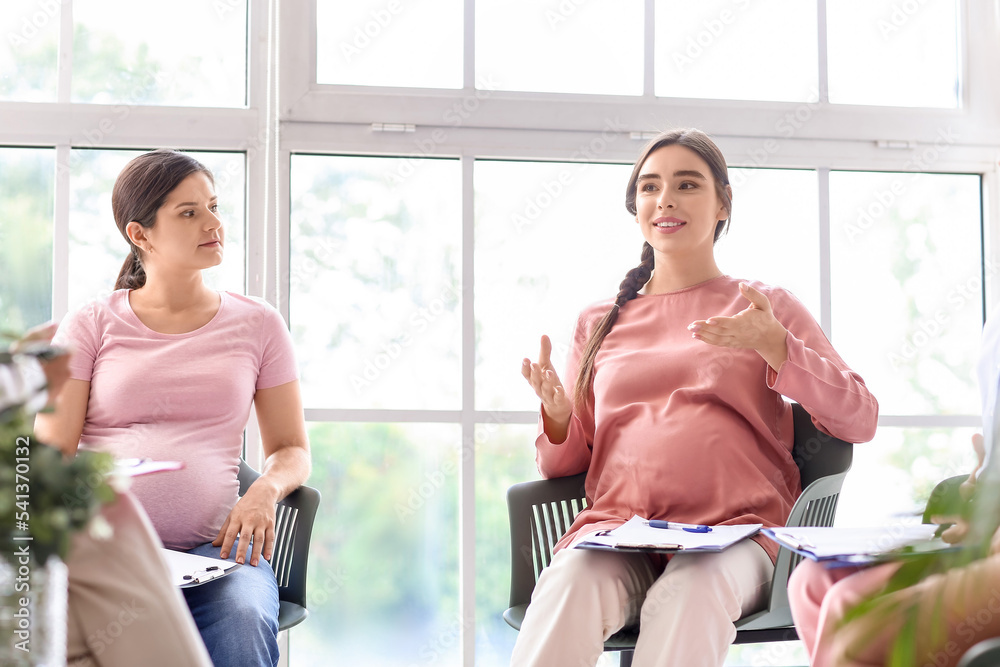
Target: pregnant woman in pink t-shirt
point(167, 368)
point(676, 412)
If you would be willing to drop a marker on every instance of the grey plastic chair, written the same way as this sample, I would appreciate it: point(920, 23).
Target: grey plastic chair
point(294, 518)
point(541, 511)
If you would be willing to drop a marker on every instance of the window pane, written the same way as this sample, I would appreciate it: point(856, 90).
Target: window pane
point(376, 294)
point(726, 49)
point(415, 44)
point(383, 565)
point(773, 654)
point(913, 240)
point(894, 53)
point(893, 474)
point(195, 56)
point(27, 184)
point(96, 247)
point(504, 456)
point(551, 238)
point(29, 52)
point(759, 230)
point(567, 47)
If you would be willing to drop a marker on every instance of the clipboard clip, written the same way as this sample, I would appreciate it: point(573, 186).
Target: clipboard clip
point(201, 576)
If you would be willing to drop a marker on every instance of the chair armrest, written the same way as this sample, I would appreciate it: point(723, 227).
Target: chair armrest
point(817, 506)
point(945, 499)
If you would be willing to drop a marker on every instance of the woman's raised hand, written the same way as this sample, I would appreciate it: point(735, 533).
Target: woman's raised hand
point(556, 405)
point(753, 328)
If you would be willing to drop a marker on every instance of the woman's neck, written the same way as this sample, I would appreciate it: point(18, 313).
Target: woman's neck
point(174, 293)
point(670, 275)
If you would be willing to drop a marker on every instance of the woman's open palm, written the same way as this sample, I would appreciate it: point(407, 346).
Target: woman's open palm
point(545, 381)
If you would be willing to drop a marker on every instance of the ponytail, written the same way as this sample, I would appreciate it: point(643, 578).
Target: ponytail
point(132, 275)
point(627, 290)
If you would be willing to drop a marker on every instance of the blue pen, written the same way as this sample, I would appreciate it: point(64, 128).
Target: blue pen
point(660, 523)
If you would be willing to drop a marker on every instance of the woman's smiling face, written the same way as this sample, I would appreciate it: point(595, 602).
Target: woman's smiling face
point(677, 205)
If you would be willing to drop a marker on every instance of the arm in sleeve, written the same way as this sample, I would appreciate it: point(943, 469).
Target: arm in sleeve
point(818, 379)
point(81, 333)
point(277, 355)
point(571, 456)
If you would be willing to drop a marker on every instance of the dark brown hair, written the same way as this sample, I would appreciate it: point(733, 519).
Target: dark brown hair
point(139, 192)
point(705, 148)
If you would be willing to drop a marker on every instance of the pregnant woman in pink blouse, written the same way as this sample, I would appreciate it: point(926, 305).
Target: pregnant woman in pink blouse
point(676, 412)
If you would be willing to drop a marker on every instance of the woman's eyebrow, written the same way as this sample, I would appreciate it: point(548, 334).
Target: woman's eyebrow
point(194, 203)
point(690, 173)
point(684, 173)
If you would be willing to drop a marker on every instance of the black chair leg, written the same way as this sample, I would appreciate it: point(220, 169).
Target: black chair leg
point(625, 659)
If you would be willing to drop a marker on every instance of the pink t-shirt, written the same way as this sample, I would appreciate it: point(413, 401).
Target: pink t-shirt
point(180, 397)
point(686, 431)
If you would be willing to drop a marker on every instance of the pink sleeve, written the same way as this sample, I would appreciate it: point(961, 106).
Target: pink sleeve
point(571, 456)
point(79, 332)
point(817, 378)
point(277, 363)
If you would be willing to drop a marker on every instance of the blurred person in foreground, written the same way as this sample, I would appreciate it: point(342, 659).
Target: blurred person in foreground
point(122, 607)
point(925, 610)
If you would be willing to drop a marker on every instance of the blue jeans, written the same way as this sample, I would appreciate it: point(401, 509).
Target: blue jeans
point(237, 614)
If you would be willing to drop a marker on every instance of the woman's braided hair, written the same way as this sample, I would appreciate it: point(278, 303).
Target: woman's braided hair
point(635, 279)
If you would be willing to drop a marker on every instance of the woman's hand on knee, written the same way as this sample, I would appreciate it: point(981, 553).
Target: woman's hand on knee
point(251, 519)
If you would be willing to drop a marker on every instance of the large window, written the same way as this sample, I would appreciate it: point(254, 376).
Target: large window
point(423, 189)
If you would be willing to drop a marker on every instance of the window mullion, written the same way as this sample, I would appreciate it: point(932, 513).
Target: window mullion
point(649, 51)
point(822, 52)
point(469, 48)
point(65, 58)
point(60, 234)
point(467, 480)
point(825, 260)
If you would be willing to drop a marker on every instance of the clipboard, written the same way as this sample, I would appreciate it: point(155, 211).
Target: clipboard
point(636, 535)
point(844, 547)
point(190, 570)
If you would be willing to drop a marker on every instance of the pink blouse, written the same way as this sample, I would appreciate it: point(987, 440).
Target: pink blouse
point(681, 430)
point(180, 397)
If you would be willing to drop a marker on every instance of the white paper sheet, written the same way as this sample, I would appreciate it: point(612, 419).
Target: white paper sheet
point(848, 544)
point(636, 533)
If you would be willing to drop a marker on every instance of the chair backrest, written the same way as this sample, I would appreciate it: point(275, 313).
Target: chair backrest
point(816, 453)
point(945, 499)
point(823, 462)
point(294, 518)
point(540, 513)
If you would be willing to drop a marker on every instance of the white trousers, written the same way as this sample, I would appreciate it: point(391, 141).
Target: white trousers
point(685, 613)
